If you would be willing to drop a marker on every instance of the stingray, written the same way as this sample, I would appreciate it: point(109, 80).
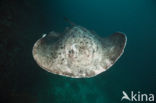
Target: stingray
point(78, 52)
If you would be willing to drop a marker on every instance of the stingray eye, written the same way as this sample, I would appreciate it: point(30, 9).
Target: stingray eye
point(78, 53)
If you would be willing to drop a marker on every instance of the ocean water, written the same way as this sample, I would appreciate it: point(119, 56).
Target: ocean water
point(23, 81)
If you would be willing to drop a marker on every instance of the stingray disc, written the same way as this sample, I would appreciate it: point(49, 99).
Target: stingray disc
point(78, 53)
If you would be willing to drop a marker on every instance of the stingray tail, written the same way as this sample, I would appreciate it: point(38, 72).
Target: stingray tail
point(69, 21)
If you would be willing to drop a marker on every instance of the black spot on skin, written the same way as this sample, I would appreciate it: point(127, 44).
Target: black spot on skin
point(93, 51)
point(71, 52)
point(80, 71)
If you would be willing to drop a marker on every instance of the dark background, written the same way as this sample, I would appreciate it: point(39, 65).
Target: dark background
point(22, 22)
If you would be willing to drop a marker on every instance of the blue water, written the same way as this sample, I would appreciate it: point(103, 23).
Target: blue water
point(134, 71)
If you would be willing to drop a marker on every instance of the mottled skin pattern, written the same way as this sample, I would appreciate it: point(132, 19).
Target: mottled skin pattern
point(78, 53)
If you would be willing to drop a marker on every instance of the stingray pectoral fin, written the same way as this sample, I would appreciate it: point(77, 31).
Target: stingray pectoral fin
point(43, 49)
point(118, 41)
point(51, 37)
point(113, 47)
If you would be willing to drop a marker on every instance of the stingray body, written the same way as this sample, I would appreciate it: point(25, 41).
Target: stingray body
point(78, 53)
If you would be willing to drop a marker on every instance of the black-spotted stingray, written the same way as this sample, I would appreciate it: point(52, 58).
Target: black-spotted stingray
point(78, 52)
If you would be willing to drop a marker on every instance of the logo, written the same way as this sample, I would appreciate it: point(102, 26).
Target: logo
point(137, 96)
